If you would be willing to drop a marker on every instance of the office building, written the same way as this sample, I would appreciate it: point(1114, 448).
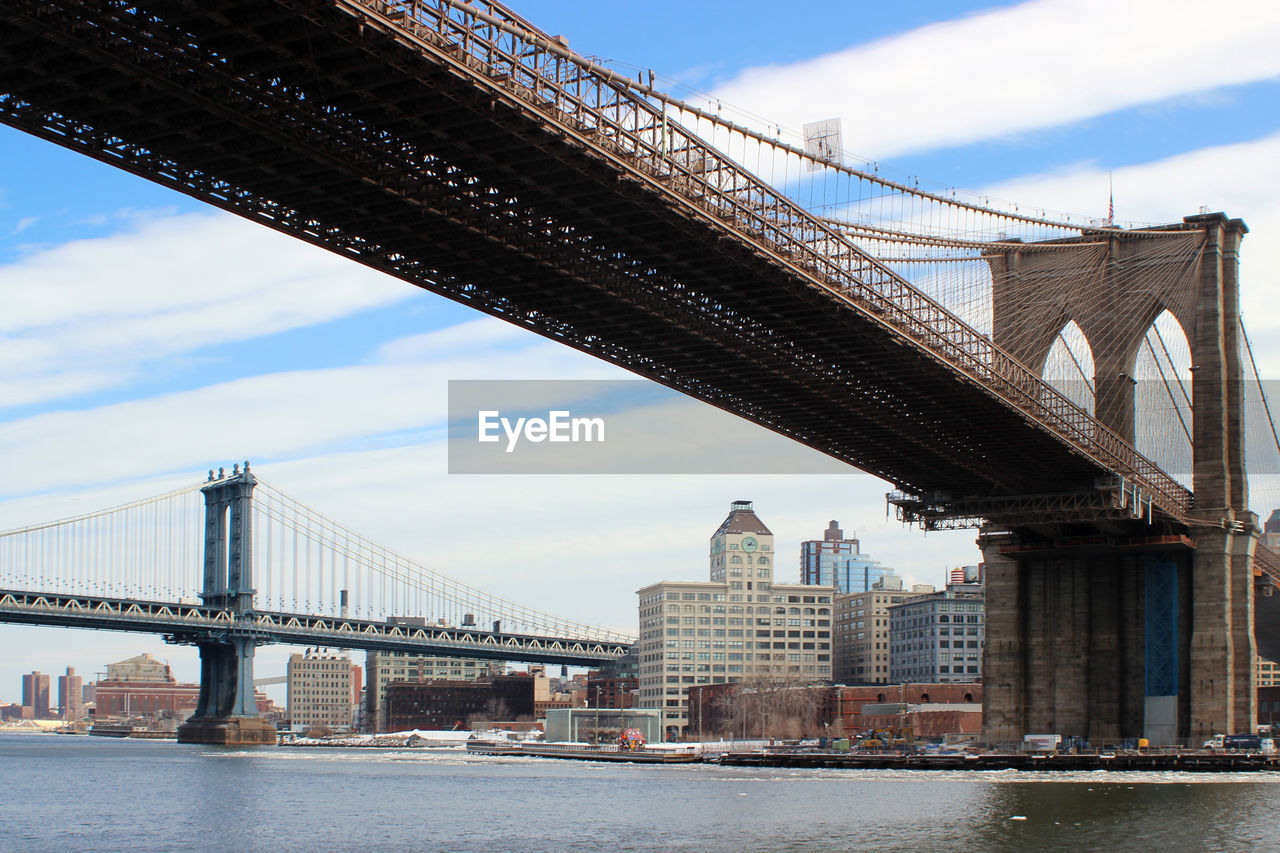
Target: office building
point(938, 637)
point(839, 562)
point(323, 690)
point(739, 625)
point(860, 634)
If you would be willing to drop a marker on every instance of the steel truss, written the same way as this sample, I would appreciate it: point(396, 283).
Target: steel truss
point(190, 623)
point(1114, 501)
point(465, 152)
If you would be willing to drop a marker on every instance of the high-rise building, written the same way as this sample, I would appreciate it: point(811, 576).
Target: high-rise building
point(839, 562)
point(35, 695)
point(382, 668)
point(860, 635)
point(738, 626)
point(938, 637)
point(323, 690)
point(70, 691)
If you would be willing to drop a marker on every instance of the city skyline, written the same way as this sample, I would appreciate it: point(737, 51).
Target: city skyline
point(110, 370)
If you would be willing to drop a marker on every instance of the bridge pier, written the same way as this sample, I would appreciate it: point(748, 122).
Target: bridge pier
point(1064, 650)
point(1120, 642)
point(1223, 650)
point(227, 712)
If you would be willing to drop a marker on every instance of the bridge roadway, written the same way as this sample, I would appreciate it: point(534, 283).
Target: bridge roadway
point(499, 172)
point(187, 623)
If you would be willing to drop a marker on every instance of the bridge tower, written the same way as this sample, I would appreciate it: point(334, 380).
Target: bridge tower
point(227, 712)
point(1119, 626)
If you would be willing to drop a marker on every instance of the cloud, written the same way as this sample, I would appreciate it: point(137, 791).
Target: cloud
point(23, 224)
point(276, 415)
point(90, 314)
point(1035, 65)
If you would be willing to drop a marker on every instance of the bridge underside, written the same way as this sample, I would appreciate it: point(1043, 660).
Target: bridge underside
point(312, 117)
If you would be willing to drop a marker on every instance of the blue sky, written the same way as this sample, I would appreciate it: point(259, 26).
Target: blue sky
point(128, 312)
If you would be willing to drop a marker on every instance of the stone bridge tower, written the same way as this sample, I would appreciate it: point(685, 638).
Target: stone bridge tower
point(1112, 631)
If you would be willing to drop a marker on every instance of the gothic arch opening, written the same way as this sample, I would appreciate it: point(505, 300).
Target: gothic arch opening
point(1162, 397)
point(1069, 366)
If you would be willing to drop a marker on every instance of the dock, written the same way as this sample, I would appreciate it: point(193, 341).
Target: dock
point(585, 752)
point(1194, 762)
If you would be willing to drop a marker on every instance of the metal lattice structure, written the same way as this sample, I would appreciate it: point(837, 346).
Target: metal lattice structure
point(459, 148)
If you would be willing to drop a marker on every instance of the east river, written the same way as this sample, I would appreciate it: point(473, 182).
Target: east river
point(77, 793)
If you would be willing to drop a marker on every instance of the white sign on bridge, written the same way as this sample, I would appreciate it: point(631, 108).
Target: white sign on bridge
point(822, 141)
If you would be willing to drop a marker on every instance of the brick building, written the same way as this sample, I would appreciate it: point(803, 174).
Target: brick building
point(789, 710)
point(70, 695)
point(35, 696)
point(611, 691)
point(151, 699)
point(453, 704)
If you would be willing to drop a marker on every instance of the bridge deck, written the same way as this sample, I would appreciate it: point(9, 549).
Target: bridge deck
point(189, 622)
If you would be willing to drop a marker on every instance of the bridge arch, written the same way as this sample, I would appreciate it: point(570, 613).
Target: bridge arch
point(1164, 427)
point(1069, 366)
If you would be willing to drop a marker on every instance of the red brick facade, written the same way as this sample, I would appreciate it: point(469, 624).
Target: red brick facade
point(734, 710)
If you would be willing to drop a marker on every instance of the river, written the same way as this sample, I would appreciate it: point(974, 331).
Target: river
point(77, 793)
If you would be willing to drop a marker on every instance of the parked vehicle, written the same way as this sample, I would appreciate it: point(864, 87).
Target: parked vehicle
point(1247, 742)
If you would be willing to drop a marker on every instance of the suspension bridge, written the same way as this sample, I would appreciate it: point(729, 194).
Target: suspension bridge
point(260, 567)
point(1022, 372)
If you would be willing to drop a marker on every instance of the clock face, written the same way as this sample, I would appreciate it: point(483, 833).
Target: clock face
point(748, 544)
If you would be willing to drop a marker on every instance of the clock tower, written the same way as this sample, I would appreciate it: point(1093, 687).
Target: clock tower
point(742, 551)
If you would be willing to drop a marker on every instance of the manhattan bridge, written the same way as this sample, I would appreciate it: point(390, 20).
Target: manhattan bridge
point(1081, 393)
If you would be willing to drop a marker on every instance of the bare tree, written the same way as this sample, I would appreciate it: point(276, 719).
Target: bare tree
point(777, 703)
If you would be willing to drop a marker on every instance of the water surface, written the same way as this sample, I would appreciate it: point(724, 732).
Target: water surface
point(78, 793)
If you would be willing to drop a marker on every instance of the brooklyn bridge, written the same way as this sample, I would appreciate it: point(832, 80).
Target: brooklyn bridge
point(1077, 392)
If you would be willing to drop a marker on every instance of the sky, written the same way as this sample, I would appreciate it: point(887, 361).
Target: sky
point(145, 337)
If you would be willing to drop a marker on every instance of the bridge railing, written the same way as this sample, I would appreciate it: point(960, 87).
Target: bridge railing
point(603, 111)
